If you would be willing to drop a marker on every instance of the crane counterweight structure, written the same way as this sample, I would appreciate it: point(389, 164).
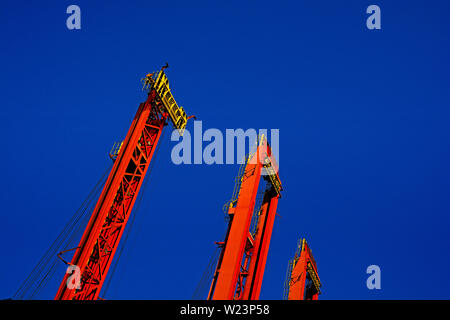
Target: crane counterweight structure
point(240, 268)
point(302, 280)
point(132, 157)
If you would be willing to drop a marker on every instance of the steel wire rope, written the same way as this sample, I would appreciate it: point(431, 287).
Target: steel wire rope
point(206, 275)
point(42, 264)
point(69, 242)
point(94, 193)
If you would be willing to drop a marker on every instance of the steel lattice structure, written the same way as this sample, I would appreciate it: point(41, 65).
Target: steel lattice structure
point(100, 240)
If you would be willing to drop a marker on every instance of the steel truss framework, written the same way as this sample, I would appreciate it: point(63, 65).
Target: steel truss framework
point(102, 235)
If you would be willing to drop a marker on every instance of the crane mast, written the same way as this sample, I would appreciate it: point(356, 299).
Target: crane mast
point(100, 240)
point(240, 268)
point(302, 279)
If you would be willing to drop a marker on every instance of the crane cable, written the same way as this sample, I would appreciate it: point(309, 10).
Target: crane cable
point(74, 234)
point(42, 266)
point(207, 275)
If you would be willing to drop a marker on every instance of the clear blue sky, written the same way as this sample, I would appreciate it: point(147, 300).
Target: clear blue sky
point(364, 127)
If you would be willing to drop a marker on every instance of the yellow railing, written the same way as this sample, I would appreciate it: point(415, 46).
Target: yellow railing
point(176, 113)
point(273, 177)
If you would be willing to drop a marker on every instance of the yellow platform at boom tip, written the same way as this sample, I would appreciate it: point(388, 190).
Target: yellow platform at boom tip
point(161, 85)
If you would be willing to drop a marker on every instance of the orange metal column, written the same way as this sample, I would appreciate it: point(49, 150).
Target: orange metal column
point(240, 269)
point(304, 268)
point(261, 249)
point(238, 234)
point(298, 280)
point(100, 240)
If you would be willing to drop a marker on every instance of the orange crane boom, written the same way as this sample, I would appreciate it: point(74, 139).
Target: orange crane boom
point(302, 279)
point(240, 268)
point(100, 240)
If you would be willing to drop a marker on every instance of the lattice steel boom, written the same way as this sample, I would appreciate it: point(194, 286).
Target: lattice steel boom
point(100, 240)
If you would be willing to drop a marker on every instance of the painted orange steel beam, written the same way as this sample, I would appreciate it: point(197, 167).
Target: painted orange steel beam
point(303, 280)
point(260, 250)
point(100, 240)
point(240, 268)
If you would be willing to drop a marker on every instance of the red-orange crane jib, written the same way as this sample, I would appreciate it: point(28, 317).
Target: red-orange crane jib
point(304, 269)
point(101, 237)
point(240, 268)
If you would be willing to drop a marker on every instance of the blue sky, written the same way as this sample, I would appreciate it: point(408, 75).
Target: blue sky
point(364, 135)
